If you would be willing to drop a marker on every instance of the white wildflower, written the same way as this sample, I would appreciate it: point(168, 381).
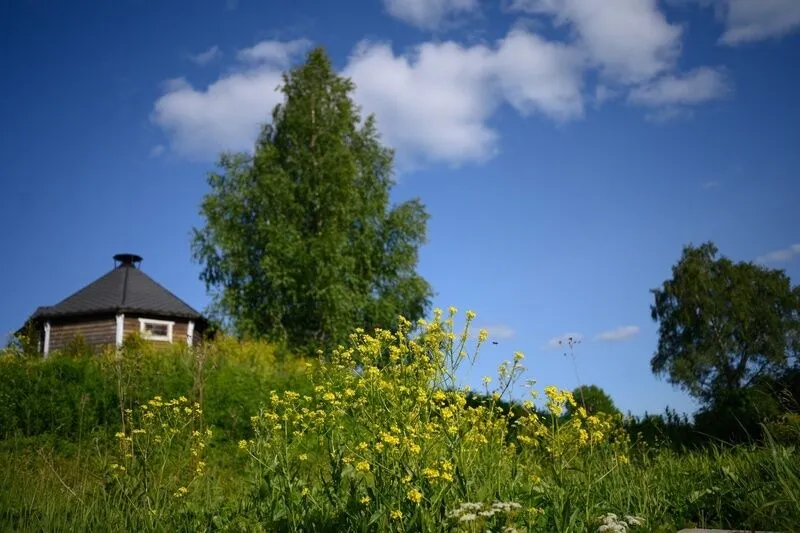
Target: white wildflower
point(634, 520)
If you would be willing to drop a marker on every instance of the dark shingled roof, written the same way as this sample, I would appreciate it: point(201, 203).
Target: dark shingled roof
point(124, 289)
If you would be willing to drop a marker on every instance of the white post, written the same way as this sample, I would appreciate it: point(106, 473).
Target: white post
point(46, 349)
point(190, 333)
point(120, 329)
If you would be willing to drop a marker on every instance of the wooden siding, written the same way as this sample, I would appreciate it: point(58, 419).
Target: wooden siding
point(96, 332)
point(179, 330)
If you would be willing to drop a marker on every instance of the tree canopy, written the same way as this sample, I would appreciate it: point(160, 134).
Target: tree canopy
point(300, 244)
point(594, 399)
point(723, 324)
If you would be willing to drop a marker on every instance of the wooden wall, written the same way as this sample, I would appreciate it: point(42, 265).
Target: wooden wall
point(99, 332)
point(95, 331)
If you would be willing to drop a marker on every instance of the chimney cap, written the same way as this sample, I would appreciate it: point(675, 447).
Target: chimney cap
point(128, 259)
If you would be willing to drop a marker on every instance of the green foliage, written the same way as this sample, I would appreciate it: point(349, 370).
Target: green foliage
point(722, 324)
point(74, 393)
point(378, 448)
point(594, 400)
point(670, 430)
point(63, 395)
point(299, 243)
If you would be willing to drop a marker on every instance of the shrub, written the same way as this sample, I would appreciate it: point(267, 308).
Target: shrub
point(77, 391)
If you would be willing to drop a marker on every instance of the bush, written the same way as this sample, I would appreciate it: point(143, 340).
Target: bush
point(78, 391)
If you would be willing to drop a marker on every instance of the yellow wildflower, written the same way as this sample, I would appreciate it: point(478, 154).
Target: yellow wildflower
point(396, 514)
point(363, 466)
point(414, 495)
point(430, 473)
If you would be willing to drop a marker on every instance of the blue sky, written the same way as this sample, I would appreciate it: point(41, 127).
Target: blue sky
point(566, 154)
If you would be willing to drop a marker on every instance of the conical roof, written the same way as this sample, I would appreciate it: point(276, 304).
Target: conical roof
point(124, 289)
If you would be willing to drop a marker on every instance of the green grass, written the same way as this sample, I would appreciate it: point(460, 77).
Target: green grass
point(52, 485)
point(393, 446)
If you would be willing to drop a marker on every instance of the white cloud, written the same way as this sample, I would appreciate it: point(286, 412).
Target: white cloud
point(619, 334)
point(697, 86)
point(630, 40)
point(432, 103)
point(204, 58)
point(224, 116)
point(452, 90)
point(712, 184)
point(755, 20)
point(174, 84)
point(603, 93)
point(428, 14)
point(497, 332)
point(562, 341)
point(539, 76)
point(780, 256)
point(157, 150)
point(275, 53)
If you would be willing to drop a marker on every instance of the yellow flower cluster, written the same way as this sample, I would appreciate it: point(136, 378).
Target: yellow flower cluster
point(389, 419)
point(160, 433)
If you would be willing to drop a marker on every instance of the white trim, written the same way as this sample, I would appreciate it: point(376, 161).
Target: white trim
point(46, 349)
point(190, 333)
point(168, 323)
point(120, 329)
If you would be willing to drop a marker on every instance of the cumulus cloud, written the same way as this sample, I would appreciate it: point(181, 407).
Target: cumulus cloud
point(694, 87)
point(539, 76)
point(274, 52)
point(433, 103)
point(563, 340)
point(618, 334)
point(428, 14)
point(227, 114)
point(630, 40)
point(780, 256)
point(204, 58)
point(756, 20)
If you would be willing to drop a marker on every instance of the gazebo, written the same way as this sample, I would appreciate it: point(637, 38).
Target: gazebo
point(122, 301)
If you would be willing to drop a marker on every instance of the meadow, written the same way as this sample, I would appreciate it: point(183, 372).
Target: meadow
point(378, 435)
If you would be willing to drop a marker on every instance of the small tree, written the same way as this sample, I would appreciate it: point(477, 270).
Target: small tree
point(593, 399)
point(300, 244)
point(722, 324)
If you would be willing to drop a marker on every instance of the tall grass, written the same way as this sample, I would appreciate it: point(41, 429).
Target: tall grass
point(376, 436)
